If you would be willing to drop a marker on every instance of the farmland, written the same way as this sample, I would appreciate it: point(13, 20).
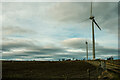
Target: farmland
point(48, 70)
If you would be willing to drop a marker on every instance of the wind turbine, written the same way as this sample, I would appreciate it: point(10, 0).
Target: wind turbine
point(86, 50)
point(92, 18)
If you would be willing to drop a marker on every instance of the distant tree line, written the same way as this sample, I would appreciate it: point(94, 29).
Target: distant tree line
point(110, 58)
point(73, 59)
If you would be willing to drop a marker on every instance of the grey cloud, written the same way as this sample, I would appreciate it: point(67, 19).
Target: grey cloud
point(30, 47)
point(21, 55)
point(53, 51)
point(39, 50)
point(80, 10)
point(72, 12)
point(106, 14)
point(9, 57)
point(44, 57)
point(77, 43)
point(105, 50)
point(16, 43)
point(65, 56)
point(15, 30)
point(72, 54)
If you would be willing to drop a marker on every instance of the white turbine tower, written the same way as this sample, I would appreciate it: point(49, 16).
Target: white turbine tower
point(86, 50)
point(92, 18)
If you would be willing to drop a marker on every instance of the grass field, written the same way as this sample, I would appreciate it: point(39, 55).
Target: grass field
point(47, 70)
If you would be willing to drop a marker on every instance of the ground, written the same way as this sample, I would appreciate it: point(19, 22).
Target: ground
point(50, 70)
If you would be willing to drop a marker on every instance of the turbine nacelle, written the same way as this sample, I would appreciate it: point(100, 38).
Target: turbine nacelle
point(91, 17)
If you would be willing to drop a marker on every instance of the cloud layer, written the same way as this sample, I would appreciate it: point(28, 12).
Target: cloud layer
point(52, 31)
point(72, 48)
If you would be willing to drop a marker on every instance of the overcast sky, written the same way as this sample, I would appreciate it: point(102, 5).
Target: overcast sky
point(56, 30)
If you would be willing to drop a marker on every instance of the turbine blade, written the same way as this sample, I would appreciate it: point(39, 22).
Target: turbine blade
point(84, 20)
point(96, 24)
point(91, 10)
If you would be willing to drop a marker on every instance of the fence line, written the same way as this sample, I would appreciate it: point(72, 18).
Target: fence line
point(113, 64)
point(95, 75)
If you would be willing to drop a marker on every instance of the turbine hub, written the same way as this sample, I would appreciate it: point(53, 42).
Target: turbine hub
point(91, 17)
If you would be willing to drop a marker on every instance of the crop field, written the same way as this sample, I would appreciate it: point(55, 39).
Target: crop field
point(48, 70)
